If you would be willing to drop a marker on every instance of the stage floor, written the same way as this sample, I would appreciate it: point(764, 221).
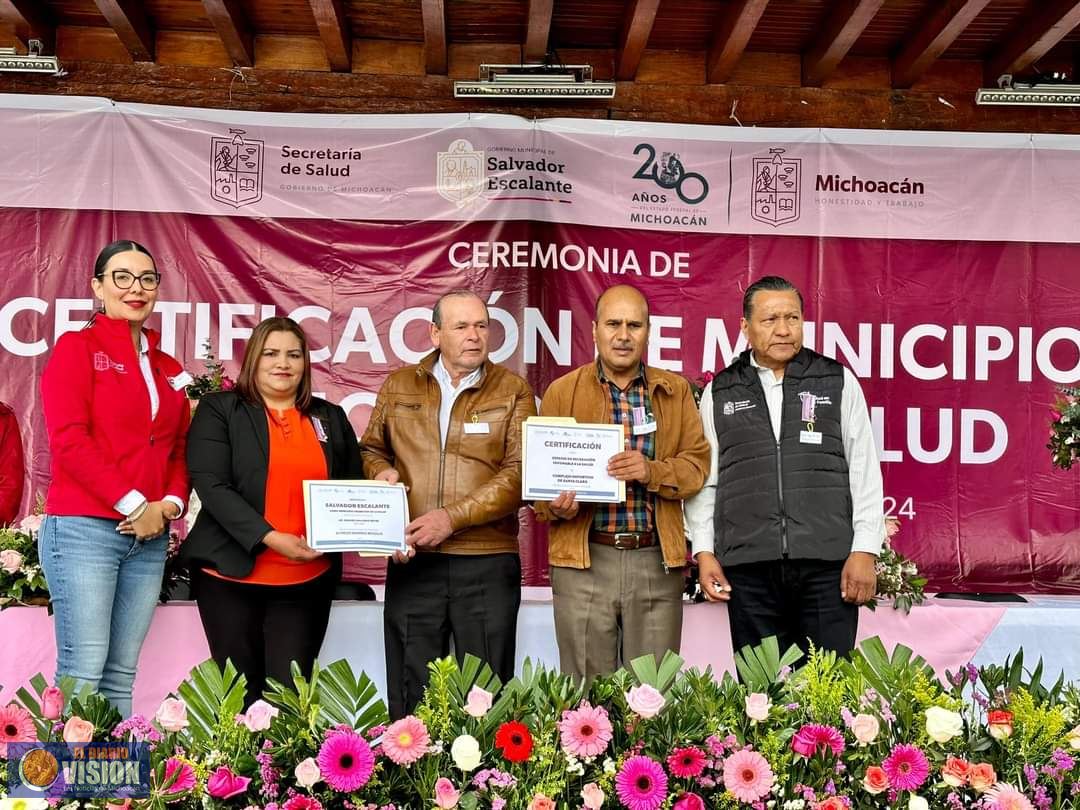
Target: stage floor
point(947, 633)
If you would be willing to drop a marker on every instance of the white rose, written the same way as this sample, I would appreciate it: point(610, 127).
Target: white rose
point(942, 725)
point(465, 752)
point(307, 773)
point(917, 803)
point(11, 560)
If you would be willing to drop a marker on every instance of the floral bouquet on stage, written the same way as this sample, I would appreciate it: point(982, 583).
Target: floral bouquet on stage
point(1064, 443)
point(22, 581)
point(897, 577)
point(212, 379)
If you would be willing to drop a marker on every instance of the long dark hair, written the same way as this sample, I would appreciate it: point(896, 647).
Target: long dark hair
point(245, 382)
point(119, 246)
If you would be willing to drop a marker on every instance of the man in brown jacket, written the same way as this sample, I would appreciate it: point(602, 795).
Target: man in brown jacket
point(617, 569)
point(449, 429)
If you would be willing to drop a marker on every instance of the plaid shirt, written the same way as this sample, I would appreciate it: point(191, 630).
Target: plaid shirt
point(635, 514)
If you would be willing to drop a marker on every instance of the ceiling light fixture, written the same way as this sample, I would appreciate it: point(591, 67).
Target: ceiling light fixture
point(32, 62)
point(535, 81)
point(1046, 91)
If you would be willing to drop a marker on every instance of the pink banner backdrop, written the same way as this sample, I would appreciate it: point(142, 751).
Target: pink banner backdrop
point(940, 268)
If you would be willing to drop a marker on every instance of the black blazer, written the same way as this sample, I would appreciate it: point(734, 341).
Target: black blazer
point(228, 450)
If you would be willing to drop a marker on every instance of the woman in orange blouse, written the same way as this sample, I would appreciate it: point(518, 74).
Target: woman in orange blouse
point(263, 593)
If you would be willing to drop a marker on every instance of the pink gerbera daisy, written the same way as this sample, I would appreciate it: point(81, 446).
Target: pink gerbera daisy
point(585, 731)
point(907, 767)
point(182, 775)
point(747, 775)
point(812, 738)
point(641, 784)
point(406, 740)
point(686, 763)
point(302, 803)
point(1006, 797)
point(16, 726)
point(346, 761)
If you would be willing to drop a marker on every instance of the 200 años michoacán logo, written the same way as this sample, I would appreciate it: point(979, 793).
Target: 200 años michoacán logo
point(669, 174)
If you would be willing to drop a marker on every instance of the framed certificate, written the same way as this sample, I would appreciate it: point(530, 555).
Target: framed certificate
point(368, 517)
point(560, 455)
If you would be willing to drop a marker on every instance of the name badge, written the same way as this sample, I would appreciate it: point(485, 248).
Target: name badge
point(641, 430)
point(320, 431)
point(181, 381)
point(809, 437)
point(477, 427)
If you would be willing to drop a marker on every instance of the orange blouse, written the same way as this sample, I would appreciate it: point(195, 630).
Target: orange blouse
point(295, 456)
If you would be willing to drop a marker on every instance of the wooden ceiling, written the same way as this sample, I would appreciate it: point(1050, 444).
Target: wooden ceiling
point(847, 45)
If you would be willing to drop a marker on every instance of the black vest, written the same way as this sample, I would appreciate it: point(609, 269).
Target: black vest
point(788, 498)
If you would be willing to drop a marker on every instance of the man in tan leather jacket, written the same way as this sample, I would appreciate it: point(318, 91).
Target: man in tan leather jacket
point(449, 429)
point(617, 569)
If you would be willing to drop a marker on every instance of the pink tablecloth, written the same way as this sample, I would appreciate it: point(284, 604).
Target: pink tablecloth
point(946, 634)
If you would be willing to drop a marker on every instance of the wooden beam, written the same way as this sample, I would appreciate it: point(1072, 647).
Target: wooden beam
point(1034, 38)
point(937, 32)
point(32, 22)
point(434, 15)
point(732, 34)
point(772, 105)
point(128, 20)
point(637, 26)
point(333, 28)
point(539, 29)
point(233, 28)
point(842, 28)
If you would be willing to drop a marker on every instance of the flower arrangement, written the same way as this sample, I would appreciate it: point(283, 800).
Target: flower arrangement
point(898, 577)
point(176, 575)
point(871, 732)
point(698, 386)
point(213, 378)
point(1064, 443)
point(21, 579)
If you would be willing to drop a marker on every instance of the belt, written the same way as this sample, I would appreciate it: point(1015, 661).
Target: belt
point(625, 541)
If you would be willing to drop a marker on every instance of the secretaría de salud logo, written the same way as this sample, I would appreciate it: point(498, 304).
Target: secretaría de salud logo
point(776, 188)
point(52, 770)
point(459, 174)
point(236, 169)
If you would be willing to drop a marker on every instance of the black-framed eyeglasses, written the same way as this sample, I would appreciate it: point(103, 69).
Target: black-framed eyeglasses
point(123, 279)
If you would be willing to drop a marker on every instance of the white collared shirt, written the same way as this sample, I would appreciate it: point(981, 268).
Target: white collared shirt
point(864, 470)
point(133, 499)
point(450, 393)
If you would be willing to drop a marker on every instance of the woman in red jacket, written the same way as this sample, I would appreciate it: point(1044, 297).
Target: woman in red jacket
point(117, 416)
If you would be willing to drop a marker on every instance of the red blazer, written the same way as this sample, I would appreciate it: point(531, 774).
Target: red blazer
point(97, 411)
point(12, 468)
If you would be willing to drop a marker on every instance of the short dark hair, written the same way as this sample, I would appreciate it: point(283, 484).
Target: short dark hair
point(119, 246)
point(771, 283)
point(436, 312)
point(245, 381)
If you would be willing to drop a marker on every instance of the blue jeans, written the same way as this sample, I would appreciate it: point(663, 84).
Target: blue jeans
point(104, 586)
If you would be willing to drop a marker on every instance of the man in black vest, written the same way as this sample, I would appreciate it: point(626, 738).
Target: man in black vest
point(789, 524)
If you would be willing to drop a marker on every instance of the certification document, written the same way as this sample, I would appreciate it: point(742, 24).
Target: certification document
point(564, 456)
point(368, 517)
